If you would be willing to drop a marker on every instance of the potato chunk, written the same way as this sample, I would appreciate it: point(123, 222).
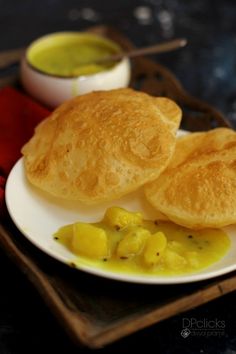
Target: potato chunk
point(119, 217)
point(89, 240)
point(173, 260)
point(192, 258)
point(64, 234)
point(133, 242)
point(176, 247)
point(64, 231)
point(154, 248)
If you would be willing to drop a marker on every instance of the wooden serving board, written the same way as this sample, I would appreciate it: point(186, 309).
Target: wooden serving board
point(96, 311)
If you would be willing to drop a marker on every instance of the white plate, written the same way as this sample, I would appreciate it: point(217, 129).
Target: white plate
point(38, 216)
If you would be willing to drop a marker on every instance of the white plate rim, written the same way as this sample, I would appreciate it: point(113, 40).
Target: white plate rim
point(126, 277)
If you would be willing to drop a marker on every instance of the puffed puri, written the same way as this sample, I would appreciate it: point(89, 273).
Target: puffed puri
point(102, 145)
point(198, 188)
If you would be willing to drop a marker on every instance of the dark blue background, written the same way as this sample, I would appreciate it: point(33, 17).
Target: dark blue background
point(206, 68)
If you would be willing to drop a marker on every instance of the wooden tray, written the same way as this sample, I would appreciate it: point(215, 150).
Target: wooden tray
point(96, 311)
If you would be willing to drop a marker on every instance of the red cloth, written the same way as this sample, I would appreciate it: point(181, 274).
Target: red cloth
point(19, 115)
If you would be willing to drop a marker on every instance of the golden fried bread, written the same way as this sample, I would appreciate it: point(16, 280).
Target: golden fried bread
point(102, 145)
point(198, 188)
point(170, 110)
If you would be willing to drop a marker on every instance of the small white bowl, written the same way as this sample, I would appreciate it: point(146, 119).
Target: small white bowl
point(52, 90)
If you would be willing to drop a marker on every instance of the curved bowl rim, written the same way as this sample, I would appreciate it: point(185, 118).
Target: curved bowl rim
point(83, 77)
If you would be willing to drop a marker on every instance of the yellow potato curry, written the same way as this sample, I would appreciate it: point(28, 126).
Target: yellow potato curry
point(125, 242)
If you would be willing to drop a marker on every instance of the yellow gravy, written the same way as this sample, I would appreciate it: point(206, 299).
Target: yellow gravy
point(124, 242)
point(71, 55)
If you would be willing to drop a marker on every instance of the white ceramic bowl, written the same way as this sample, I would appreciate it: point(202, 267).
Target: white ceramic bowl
point(52, 90)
